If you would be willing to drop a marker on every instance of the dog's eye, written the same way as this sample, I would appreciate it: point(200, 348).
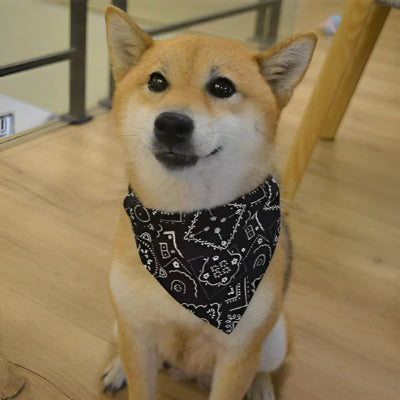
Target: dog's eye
point(221, 87)
point(157, 83)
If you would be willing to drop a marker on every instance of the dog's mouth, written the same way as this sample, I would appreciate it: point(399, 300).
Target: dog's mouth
point(175, 160)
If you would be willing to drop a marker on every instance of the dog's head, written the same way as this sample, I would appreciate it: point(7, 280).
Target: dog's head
point(199, 111)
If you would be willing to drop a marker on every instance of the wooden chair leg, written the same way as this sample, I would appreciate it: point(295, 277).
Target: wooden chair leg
point(358, 31)
point(351, 48)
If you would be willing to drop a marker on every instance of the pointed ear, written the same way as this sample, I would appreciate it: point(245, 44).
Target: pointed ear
point(126, 41)
point(284, 65)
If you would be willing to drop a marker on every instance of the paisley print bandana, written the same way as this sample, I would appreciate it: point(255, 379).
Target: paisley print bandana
point(210, 261)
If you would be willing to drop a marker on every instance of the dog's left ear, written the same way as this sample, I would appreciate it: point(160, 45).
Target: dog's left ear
point(284, 65)
point(126, 41)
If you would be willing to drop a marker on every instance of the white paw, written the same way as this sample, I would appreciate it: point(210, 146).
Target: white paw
point(114, 377)
point(261, 388)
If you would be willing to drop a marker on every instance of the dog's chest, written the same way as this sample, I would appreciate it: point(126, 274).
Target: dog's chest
point(144, 306)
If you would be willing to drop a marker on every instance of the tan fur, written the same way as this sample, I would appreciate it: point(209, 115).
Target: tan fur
point(151, 325)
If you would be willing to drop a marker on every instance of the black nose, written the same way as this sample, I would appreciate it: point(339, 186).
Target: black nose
point(173, 128)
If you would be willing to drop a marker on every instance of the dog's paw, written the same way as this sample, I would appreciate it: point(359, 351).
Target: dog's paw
point(114, 377)
point(261, 388)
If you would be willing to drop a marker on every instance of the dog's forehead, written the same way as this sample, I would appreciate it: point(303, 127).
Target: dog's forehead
point(192, 54)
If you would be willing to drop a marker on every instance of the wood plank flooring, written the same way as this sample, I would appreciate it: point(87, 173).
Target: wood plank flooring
point(59, 200)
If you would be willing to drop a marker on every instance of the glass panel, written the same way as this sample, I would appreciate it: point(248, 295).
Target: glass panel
point(32, 28)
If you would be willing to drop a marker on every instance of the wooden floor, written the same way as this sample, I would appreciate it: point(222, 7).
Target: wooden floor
point(59, 199)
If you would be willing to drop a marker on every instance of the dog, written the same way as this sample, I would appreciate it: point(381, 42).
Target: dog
point(197, 117)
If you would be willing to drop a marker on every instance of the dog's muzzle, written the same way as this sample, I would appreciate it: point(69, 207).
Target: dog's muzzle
point(172, 140)
point(172, 137)
point(172, 143)
point(173, 129)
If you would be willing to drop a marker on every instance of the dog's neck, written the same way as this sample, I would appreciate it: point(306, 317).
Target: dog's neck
point(188, 191)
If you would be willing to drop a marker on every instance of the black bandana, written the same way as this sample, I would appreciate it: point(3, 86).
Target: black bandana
point(210, 261)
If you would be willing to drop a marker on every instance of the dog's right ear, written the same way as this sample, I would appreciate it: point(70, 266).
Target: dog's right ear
point(126, 41)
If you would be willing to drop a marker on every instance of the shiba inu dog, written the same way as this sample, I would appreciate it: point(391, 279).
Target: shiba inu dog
point(197, 116)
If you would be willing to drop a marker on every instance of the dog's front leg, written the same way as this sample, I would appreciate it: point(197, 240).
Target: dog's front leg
point(233, 375)
point(140, 361)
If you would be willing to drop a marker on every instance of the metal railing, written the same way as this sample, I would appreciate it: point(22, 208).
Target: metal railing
point(76, 55)
point(263, 32)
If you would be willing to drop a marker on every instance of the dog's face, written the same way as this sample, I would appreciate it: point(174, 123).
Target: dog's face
point(194, 102)
point(192, 107)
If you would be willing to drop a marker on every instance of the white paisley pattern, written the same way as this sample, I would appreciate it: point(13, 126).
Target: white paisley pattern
point(210, 261)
